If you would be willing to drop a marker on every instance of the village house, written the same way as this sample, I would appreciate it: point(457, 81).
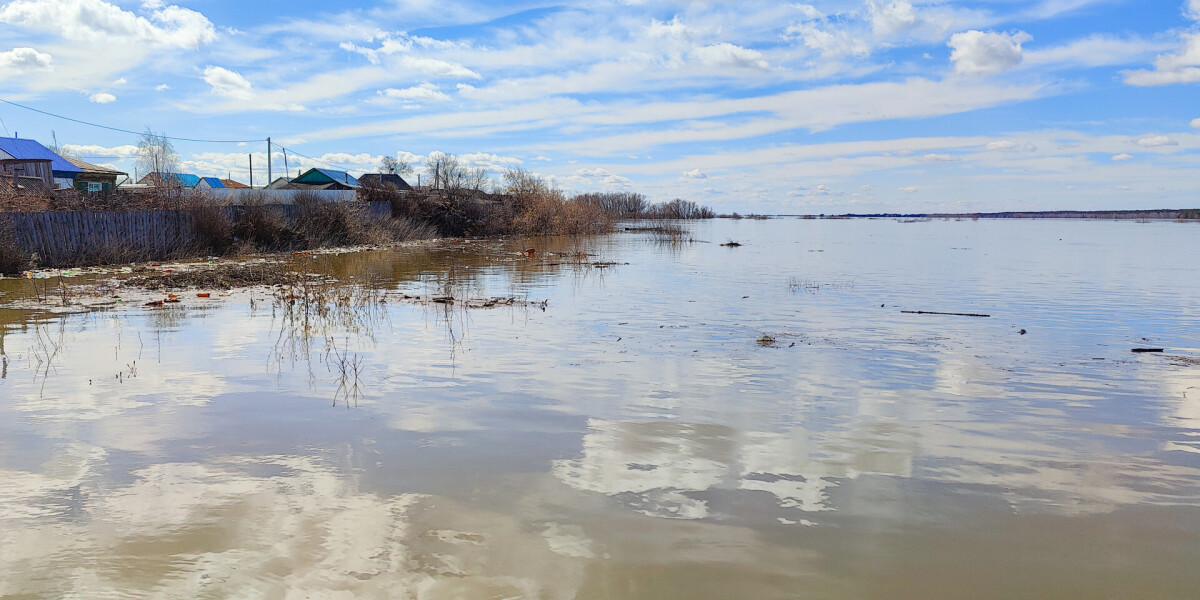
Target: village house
point(234, 185)
point(27, 166)
point(94, 178)
point(183, 180)
point(384, 180)
point(318, 179)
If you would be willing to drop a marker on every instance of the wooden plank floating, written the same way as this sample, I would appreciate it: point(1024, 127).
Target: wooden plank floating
point(952, 314)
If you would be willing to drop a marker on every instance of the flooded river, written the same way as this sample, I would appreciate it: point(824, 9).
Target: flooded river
point(692, 421)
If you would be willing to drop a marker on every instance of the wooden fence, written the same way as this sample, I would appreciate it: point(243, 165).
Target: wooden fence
point(75, 237)
point(63, 237)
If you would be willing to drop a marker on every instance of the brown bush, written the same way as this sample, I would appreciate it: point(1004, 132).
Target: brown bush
point(319, 223)
point(13, 258)
point(256, 225)
point(214, 228)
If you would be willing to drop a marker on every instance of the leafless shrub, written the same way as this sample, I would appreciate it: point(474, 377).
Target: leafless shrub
point(214, 229)
point(618, 205)
point(260, 226)
point(679, 209)
point(13, 258)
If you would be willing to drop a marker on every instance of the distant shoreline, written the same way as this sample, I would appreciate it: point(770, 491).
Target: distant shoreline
point(1154, 214)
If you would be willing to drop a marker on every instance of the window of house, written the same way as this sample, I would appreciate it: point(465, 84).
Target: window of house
point(94, 186)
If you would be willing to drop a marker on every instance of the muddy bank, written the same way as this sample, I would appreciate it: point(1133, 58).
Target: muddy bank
point(409, 273)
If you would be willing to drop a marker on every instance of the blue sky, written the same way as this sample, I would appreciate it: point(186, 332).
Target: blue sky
point(753, 106)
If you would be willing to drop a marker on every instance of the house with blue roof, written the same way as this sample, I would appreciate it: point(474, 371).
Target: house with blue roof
point(30, 166)
point(320, 179)
point(183, 180)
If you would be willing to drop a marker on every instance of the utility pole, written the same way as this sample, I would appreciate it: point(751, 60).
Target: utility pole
point(251, 157)
point(268, 161)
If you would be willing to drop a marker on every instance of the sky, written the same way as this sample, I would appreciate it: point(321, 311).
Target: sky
point(752, 106)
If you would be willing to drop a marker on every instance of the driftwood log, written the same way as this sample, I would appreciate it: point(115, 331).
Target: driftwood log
point(952, 314)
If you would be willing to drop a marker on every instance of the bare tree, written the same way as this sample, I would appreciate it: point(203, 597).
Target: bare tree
point(448, 173)
point(157, 156)
point(520, 182)
point(621, 205)
point(395, 166)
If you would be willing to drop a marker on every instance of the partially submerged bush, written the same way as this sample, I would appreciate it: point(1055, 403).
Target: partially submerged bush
point(259, 226)
point(319, 223)
point(539, 209)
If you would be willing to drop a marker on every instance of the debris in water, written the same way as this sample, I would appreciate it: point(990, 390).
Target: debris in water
point(1144, 350)
point(731, 244)
point(952, 314)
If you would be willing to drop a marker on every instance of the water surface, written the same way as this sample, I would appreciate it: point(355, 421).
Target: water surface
point(695, 421)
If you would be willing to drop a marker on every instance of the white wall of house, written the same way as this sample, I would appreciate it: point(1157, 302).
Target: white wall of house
point(239, 196)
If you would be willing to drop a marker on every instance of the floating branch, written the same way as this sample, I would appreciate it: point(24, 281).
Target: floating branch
point(952, 314)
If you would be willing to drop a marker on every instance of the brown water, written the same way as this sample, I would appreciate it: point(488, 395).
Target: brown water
point(634, 439)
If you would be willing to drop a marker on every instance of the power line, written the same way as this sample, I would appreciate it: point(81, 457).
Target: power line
point(178, 139)
point(328, 164)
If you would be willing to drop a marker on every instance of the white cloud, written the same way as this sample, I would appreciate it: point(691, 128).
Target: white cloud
point(425, 91)
point(489, 161)
point(403, 45)
point(936, 158)
point(590, 178)
point(984, 52)
point(829, 41)
point(1192, 10)
point(97, 20)
point(162, 87)
point(1009, 145)
point(809, 11)
point(20, 60)
point(695, 174)
point(1122, 156)
point(438, 68)
point(725, 54)
point(1097, 50)
point(895, 18)
point(94, 151)
point(908, 189)
point(1154, 141)
point(1195, 123)
point(102, 98)
point(1182, 66)
point(228, 83)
